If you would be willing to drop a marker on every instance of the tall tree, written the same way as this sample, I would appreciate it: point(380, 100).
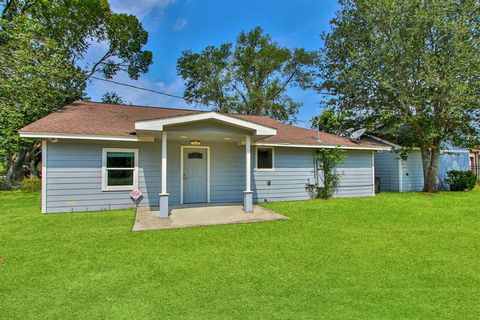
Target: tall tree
point(37, 77)
point(42, 65)
point(407, 66)
point(250, 78)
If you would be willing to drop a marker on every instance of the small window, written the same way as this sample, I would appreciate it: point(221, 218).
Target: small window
point(119, 169)
point(195, 155)
point(265, 158)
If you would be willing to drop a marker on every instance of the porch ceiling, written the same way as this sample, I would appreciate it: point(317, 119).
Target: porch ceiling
point(204, 137)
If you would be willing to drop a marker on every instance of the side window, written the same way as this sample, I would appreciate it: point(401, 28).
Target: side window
point(120, 170)
point(265, 158)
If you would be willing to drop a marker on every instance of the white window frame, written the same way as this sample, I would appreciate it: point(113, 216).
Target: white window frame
point(256, 159)
point(105, 187)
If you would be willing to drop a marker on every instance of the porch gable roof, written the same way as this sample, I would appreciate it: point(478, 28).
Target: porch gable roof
point(158, 124)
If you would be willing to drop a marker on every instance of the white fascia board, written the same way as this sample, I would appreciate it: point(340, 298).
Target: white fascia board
point(454, 151)
point(46, 135)
point(322, 146)
point(158, 124)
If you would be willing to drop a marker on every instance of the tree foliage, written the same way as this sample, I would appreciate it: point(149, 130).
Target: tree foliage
point(332, 121)
point(251, 77)
point(77, 25)
point(409, 68)
point(37, 77)
point(43, 45)
point(112, 97)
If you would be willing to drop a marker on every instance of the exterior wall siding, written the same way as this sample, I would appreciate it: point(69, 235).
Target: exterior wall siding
point(412, 172)
point(74, 171)
point(74, 175)
point(295, 168)
point(357, 175)
point(227, 178)
point(386, 167)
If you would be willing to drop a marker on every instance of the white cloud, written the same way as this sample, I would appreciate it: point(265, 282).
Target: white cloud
point(180, 24)
point(139, 8)
point(97, 88)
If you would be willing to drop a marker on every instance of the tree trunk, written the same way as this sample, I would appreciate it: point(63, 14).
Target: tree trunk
point(33, 158)
point(27, 158)
point(430, 161)
point(14, 169)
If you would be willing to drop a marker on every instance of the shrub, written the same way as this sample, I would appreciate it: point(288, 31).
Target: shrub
point(328, 159)
point(31, 184)
point(459, 180)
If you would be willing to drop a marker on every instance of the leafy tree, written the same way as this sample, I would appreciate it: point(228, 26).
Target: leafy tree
point(332, 122)
point(407, 66)
point(112, 97)
point(250, 78)
point(36, 77)
point(42, 66)
point(77, 25)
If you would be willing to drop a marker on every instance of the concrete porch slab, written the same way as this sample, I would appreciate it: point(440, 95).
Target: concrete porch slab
point(147, 219)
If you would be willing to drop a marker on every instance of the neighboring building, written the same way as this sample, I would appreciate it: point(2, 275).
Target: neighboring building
point(407, 175)
point(95, 154)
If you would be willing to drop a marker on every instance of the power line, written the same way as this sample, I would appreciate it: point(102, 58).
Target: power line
point(170, 95)
point(149, 90)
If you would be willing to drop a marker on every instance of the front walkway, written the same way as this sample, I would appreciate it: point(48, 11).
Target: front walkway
point(147, 219)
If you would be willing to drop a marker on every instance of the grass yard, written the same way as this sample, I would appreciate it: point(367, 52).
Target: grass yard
point(395, 256)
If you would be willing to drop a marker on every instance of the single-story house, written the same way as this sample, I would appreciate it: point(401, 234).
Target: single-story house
point(95, 154)
point(397, 174)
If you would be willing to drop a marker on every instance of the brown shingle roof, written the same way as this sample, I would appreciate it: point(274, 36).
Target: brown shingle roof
point(94, 118)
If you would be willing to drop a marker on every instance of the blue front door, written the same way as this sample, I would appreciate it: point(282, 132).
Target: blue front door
point(194, 175)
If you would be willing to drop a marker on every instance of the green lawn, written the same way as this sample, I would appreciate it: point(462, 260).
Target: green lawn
point(394, 256)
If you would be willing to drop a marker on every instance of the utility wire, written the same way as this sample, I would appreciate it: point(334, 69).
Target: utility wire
point(170, 95)
point(149, 90)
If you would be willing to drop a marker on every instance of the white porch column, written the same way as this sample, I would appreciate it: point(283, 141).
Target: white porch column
point(164, 195)
point(248, 158)
point(248, 193)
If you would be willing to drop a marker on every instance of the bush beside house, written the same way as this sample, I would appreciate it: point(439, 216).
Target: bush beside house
point(459, 180)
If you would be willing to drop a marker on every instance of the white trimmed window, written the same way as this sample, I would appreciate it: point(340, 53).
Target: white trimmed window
point(119, 169)
point(265, 158)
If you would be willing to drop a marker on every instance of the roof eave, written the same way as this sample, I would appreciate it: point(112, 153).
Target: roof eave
point(324, 146)
point(75, 136)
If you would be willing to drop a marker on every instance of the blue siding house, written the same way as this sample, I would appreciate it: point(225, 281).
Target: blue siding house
point(95, 154)
point(401, 175)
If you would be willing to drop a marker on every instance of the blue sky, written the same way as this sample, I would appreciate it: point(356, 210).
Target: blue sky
point(174, 26)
